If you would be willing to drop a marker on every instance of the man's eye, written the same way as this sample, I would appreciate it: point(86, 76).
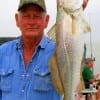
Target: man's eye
point(26, 16)
point(37, 16)
point(34, 16)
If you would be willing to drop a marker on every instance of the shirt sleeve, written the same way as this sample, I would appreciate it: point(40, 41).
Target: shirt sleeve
point(0, 90)
point(0, 95)
point(0, 81)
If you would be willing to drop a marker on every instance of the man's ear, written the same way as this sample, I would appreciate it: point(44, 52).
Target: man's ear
point(17, 19)
point(46, 21)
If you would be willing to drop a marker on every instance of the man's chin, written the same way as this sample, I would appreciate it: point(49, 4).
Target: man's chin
point(31, 34)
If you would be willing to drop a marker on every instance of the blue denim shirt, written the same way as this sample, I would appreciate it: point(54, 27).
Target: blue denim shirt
point(32, 83)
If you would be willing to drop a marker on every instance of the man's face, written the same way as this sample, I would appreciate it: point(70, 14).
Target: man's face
point(90, 64)
point(32, 21)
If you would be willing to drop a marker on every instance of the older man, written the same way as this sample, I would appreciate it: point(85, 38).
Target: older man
point(24, 71)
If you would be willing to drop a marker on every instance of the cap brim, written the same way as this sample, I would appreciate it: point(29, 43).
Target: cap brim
point(26, 4)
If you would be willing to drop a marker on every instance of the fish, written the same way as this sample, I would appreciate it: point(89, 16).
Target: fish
point(68, 33)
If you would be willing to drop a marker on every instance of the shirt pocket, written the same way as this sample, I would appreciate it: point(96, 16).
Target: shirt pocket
point(6, 77)
point(42, 80)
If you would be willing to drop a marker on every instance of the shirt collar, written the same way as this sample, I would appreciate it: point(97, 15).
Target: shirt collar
point(18, 43)
point(42, 43)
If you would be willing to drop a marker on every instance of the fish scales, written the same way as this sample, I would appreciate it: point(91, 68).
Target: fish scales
point(68, 33)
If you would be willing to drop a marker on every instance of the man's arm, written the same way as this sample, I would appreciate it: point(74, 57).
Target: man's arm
point(94, 78)
point(0, 90)
point(0, 95)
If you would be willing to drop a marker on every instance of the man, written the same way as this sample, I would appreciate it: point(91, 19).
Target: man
point(24, 70)
point(88, 76)
point(87, 73)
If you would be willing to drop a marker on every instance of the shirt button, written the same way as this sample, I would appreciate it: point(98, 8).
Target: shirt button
point(3, 73)
point(23, 90)
point(27, 75)
point(42, 74)
point(31, 61)
point(23, 75)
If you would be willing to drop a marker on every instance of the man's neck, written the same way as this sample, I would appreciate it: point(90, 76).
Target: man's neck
point(30, 43)
point(29, 46)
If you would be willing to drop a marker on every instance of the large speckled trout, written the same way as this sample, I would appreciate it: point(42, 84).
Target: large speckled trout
point(68, 33)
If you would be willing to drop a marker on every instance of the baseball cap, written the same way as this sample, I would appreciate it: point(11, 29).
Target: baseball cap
point(40, 3)
point(87, 60)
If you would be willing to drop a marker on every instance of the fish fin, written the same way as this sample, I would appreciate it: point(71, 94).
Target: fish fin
point(55, 76)
point(52, 32)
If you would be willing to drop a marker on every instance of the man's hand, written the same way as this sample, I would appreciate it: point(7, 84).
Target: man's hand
point(97, 75)
point(85, 2)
